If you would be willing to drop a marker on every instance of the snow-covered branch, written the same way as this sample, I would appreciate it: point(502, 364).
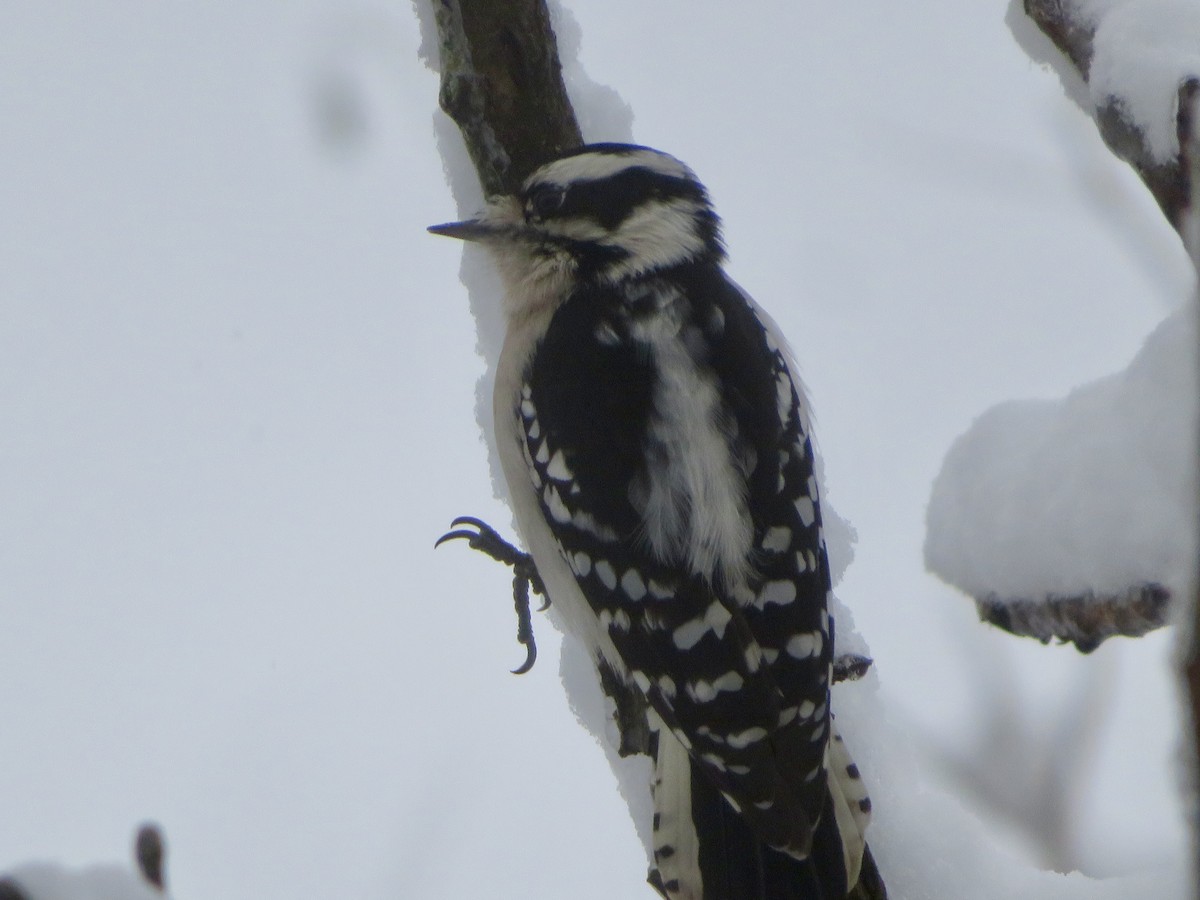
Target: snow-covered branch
point(1105, 541)
point(1059, 525)
point(1137, 59)
point(1074, 519)
point(1085, 620)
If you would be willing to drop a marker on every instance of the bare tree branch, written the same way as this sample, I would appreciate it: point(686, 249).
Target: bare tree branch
point(502, 85)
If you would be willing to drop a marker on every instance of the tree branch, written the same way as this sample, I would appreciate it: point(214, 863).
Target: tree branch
point(1188, 131)
point(1171, 184)
point(1063, 24)
point(1085, 620)
point(502, 85)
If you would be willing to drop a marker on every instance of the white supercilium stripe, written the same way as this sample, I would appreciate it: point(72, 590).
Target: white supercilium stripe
point(595, 166)
point(655, 235)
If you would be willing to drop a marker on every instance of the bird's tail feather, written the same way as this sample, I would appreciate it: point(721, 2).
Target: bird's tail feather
point(704, 851)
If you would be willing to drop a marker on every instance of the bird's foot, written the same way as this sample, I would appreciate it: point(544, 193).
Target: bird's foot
point(482, 537)
point(850, 667)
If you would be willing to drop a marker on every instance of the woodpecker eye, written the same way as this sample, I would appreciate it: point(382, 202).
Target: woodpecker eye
point(545, 201)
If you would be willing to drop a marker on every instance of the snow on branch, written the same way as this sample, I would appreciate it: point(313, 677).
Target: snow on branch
point(1074, 520)
point(1136, 57)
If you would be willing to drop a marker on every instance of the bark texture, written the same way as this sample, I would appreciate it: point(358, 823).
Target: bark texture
point(502, 85)
point(1085, 620)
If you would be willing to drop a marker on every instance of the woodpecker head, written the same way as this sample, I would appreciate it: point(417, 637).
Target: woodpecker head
point(602, 213)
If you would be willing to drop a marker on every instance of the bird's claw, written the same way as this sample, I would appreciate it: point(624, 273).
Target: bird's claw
point(487, 540)
point(451, 535)
point(850, 667)
point(484, 533)
point(530, 659)
point(524, 622)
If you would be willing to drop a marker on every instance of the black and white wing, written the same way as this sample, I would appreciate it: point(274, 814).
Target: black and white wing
point(666, 442)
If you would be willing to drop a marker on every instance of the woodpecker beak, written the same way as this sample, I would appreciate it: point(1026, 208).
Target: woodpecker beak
point(469, 230)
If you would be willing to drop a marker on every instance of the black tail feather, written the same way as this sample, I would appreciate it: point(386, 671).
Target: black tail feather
point(735, 865)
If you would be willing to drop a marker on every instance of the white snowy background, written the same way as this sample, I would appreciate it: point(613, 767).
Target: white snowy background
point(238, 392)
